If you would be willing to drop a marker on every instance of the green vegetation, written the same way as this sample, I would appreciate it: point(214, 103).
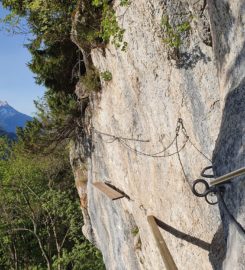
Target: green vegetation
point(173, 34)
point(124, 3)
point(54, 56)
point(53, 53)
point(106, 75)
point(110, 28)
point(91, 81)
point(59, 120)
point(135, 231)
point(9, 135)
point(40, 219)
point(98, 3)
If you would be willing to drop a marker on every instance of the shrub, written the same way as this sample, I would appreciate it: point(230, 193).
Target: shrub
point(106, 75)
point(135, 231)
point(173, 34)
point(109, 24)
point(91, 81)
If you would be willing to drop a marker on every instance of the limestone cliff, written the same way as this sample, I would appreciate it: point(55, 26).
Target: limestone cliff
point(156, 87)
point(228, 28)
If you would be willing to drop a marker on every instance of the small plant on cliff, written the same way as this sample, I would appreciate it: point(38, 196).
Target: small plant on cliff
point(90, 81)
point(135, 231)
point(124, 3)
point(109, 24)
point(173, 34)
point(106, 75)
point(101, 2)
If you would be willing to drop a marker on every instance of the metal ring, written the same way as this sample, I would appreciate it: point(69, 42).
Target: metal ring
point(205, 183)
point(208, 201)
point(203, 174)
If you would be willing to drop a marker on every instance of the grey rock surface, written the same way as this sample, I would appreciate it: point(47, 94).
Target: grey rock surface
point(152, 86)
point(228, 27)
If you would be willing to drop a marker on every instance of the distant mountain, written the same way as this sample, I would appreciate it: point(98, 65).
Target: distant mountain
point(10, 119)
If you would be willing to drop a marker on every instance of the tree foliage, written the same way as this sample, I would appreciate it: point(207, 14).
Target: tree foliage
point(40, 219)
point(55, 60)
point(58, 120)
point(53, 53)
point(54, 63)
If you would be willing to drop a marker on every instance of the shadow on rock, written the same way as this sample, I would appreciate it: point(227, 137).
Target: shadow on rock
point(188, 60)
point(228, 156)
point(217, 249)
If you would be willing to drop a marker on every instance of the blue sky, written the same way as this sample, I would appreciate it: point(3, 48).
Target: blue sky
point(17, 85)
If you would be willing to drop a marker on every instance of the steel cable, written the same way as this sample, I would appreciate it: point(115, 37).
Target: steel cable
point(179, 127)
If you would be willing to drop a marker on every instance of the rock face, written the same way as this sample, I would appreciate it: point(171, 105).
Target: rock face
point(136, 147)
point(228, 24)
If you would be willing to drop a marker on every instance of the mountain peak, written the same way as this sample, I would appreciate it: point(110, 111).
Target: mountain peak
point(10, 119)
point(3, 103)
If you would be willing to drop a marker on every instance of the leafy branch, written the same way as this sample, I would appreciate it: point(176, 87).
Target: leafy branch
point(173, 35)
